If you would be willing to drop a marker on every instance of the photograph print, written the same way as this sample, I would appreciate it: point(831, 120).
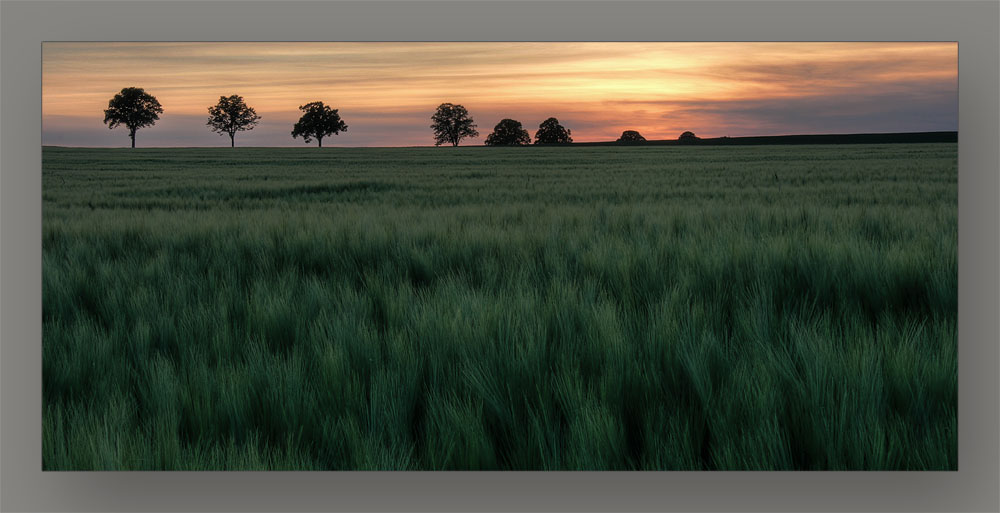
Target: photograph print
point(499, 256)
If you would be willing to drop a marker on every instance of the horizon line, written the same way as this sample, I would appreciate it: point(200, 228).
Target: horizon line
point(841, 134)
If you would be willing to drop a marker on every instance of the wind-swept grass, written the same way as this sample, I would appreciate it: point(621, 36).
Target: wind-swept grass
point(734, 308)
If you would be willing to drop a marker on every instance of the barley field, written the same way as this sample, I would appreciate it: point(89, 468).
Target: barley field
point(572, 308)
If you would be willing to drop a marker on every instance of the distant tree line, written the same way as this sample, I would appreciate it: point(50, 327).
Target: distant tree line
point(134, 108)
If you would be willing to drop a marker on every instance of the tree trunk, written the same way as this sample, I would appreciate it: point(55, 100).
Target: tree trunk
point(132, 135)
point(320, 139)
point(232, 140)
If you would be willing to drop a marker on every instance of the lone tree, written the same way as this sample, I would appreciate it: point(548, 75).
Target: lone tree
point(231, 115)
point(688, 137)
point(318, 121)
point(631, 136)
point(452, 124)
point(508, 133)
point(551, 132)
point(133, 108)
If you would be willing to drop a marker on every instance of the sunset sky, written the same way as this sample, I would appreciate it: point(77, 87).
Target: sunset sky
point(386, 92)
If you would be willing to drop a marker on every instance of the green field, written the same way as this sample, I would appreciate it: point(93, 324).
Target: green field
point(732, 308)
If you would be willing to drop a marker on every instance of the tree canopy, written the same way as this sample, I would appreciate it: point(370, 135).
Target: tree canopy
point(508, 132)
point(451, 124)
point(631, 136)
point(133, 108)
point(688, 137)
point(551, 132)
point(231, 115)
point(317, 122)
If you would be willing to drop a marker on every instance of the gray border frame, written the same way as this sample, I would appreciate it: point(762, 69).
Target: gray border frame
point(24, 25)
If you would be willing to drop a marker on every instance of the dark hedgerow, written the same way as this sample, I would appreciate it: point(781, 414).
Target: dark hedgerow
point(631, 136)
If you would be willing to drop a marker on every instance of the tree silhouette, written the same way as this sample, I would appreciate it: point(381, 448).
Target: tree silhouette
point(134, 108)
point(318, 121)
point(452, 124)
point(631, 136)
point(508, 133)
point(688, 137)
point(231, 115)
point(551, 132)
